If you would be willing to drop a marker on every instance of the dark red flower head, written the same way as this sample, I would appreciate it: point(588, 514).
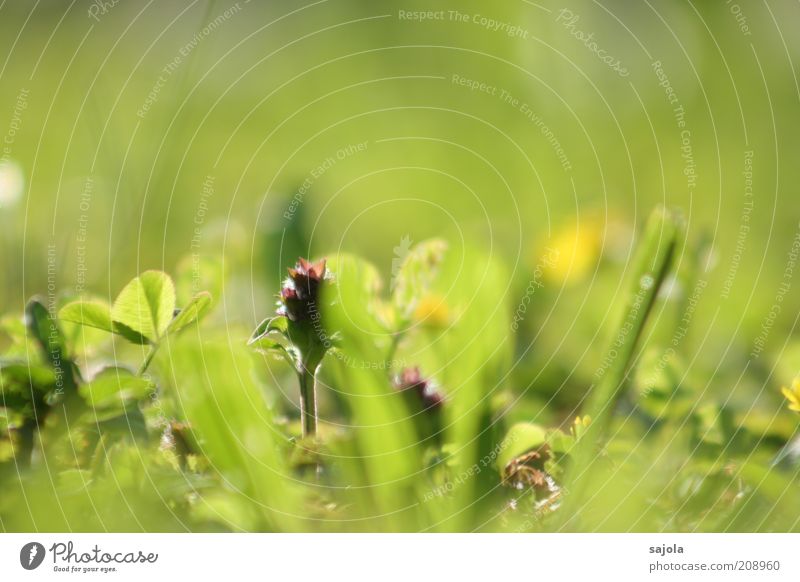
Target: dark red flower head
point(410, 379)
point(300, 292)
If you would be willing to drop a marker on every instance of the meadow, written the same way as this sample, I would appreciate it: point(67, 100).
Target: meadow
point(352, 266)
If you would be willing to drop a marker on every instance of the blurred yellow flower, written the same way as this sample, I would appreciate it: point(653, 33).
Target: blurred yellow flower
point(433, 311)
point(793, 395)
point(573, 251)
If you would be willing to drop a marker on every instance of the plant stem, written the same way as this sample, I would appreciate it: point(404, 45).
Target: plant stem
point(148, 359)
point(653, 263)
point(308, 398)
point(396, 337)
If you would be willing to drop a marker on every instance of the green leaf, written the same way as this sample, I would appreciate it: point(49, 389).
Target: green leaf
point(97, 314)
point(233, 426)
point(45, 332)
point(652, 263)
point(27, 373)
point(132, 336)
point(115, 388)
point(470, 358)
point(126, 421)
point(279, 324)
point(90, 313)
point(193, 312)
point(363, 283)
point(385, 439)
point(270, 337)
point(146, 304)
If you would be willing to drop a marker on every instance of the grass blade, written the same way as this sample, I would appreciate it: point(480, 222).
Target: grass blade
point(652, 264)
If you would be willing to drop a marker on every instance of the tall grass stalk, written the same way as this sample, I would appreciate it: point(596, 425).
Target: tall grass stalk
point(653, 263)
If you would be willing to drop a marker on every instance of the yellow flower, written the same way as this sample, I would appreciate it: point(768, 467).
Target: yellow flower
point(432, 311)
point(793, 395)
point(573, 251)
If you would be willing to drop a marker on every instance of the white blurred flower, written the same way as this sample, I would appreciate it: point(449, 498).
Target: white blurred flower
point(12, 183)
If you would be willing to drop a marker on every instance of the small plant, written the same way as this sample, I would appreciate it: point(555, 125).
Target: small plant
point(48, 399)
point(144, 313)
point(296, 332)
point(38, 378)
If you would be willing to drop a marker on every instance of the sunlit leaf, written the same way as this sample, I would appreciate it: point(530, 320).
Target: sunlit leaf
point(89, 313)
point(146, 305)
point(194, 311)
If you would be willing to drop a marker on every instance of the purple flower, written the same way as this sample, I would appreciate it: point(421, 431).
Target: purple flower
point(426, 392)
point(299, 297)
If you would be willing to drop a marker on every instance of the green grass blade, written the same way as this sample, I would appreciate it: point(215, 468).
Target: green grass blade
point(652, 264)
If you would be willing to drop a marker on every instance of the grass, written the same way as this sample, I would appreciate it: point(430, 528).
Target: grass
point(508, 372)
point(199, 435)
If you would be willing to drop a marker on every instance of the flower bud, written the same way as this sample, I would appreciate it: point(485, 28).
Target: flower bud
point(425, 390)
point(299, 296)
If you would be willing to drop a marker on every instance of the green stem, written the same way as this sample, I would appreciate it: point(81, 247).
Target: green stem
point(148, 359)
point(396, 337)
point(653, 263)
point(308, 398)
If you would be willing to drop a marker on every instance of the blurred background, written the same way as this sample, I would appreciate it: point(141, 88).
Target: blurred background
point(235, 136)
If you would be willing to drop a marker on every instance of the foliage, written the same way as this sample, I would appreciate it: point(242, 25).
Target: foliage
point(422, 424)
